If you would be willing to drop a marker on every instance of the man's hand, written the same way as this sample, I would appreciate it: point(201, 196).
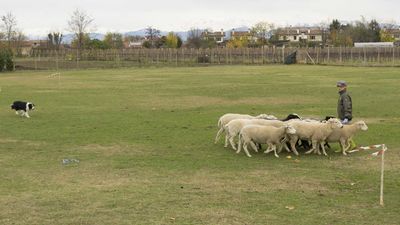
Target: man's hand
point(345, 121)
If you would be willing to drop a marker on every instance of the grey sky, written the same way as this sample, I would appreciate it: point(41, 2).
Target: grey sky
point(42, 16)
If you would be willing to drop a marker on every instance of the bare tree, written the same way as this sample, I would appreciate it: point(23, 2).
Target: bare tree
point(324, 28)
point(261, 31)
point(18, 40)
point(55, 39)
point(79, 24)
point(194, 38)
point(9, 27)
point(152, 35)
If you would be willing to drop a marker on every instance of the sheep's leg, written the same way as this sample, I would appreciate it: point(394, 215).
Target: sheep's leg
point(280, 148)
point(276, 154)
point(293, 145)
point(316, 151)
point(226, 140)
point(313, 149)
point(239, 143)
point(348, 144)
point(218, 135)
point(245, 150)
point(327, 145)
point(232, 142)
point(269, 149)
point(253, 146)
point(284, 142)
point(306, 144)
point(343, 146)
point(287, 147)
point(322, 144)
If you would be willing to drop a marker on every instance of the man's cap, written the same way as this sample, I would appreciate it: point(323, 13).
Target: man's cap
point(341, 83)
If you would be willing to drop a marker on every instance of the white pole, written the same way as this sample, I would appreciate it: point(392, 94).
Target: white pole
point(382, 170)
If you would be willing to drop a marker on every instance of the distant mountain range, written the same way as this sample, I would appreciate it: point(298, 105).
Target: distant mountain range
point(67, 38)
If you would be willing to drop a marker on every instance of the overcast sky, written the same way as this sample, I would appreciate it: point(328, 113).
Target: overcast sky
point(42, 16)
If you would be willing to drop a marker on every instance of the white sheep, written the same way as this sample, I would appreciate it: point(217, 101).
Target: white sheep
point(270, 135)
point(316, 132)
point(233, 128)
point(223, 120)
point(345, 134)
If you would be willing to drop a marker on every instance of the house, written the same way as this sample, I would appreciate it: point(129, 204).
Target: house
point(134, 42)
point(24, 48)
point(394, 33)
point(218, 36)
point(297, 34)
point(240, 35)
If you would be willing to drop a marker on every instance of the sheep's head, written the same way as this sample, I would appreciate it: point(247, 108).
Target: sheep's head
point(362, 125)
point(334, 122)
point(290, 129)
point(267, 117)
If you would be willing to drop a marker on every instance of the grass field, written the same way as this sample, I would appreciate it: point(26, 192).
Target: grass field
point(144, 138)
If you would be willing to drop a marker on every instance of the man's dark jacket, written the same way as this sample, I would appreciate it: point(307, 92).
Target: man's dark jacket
point(344, 107)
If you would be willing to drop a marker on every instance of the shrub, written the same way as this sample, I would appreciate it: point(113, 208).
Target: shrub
point(6, 59)
point(2, 60)
point(9, 60)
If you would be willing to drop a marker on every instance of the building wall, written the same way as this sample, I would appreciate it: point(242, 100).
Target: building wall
point(296, 38)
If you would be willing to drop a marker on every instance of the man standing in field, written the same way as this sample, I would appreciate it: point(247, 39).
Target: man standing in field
point(345, 106)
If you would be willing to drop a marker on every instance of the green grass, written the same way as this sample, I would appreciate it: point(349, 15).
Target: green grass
point(144, 138)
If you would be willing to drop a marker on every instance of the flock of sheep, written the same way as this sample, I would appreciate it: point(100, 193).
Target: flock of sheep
point(290, 131)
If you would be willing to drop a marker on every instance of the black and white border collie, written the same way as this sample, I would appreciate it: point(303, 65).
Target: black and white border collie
point(22, 108)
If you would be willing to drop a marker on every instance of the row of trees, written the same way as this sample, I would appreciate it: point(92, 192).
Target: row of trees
point(262, 33)
point(341, 34)
point(81, 24)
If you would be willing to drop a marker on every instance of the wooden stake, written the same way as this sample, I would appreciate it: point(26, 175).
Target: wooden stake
point(382, 171)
